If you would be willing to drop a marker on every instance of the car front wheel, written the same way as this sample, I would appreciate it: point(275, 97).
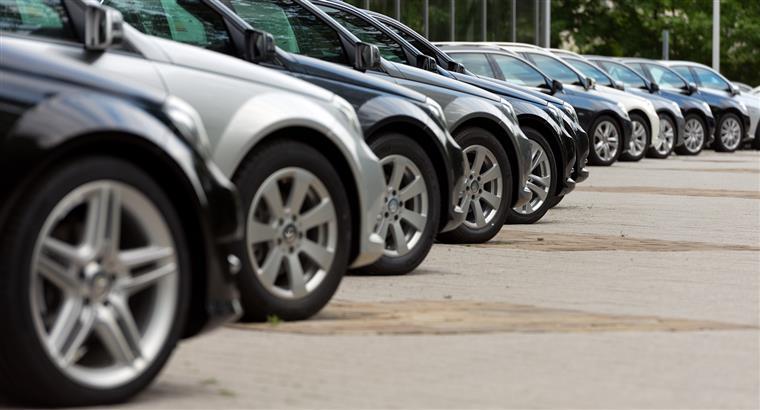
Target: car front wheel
point(542, 182)
point(95, 285)
point(605, 139)
point(730, 131)
point(695, 132)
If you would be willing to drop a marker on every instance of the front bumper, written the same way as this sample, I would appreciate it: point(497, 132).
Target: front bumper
point(370, 185)
point(627, 132)
point(455, 170)
point(580, 172)
point(523, 166)
point(680, 131)
point(568, 138)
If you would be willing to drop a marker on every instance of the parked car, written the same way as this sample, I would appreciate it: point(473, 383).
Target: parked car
point(671, 120)
point(606, 121)
point(731, 115)
point(118, 231)
point(699, 122)
point(711, 81)
point(553, 148)
point(745, 88)
point(311, 188)
point(423, 165)
point(497, 152)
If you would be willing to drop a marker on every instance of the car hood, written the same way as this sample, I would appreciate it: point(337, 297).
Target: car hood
point(499, 87)
point(426, 77)
point(210, 61)
point(337, 72)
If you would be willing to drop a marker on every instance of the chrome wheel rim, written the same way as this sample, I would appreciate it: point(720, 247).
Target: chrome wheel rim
point(484, 186)
point(730, 133)
point(664, 143)
point(104, 284)
point(405, 212)
point(606, 140)
point(694, 135)
point(539, 180)
point(291, 233)
point(638, 139)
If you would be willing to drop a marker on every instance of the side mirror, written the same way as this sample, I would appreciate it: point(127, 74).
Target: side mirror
point(259, 46)
point(426, 63)
point(590, 83)
point(103, 27)
point(654, 87)
point(367, 57)
point(691, 88)
point(734, 90)
point(619, 85)
point(557, 86)
point(456, 67)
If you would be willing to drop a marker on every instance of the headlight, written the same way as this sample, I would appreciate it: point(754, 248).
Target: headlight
point(570, 111)
point(742, 105)
point(623, 110)
point(509, 110)
point(556, 114)
point(435, 111)
point(188, 122)
point(349, 115)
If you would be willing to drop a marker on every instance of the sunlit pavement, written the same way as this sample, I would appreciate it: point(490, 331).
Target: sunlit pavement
point(640, 290)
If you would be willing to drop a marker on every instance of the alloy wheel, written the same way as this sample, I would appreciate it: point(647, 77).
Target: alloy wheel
point(664, 142)
point(404, 214)
point(104, 284)
point(483, 192)
point(731, 133)
point(291, 233)
point(539, 180)
point(606, 140)
point(638, 141)
point(694, 135)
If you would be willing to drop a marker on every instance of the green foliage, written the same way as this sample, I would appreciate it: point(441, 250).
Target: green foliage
point(634, 28)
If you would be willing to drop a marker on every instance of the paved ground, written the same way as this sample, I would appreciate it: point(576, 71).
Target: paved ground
point(641, 290)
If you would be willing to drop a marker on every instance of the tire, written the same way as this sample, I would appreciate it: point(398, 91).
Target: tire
point(641, 139)
point(542, 163)
point(278, 242)
point(28, 373)
point(401, 152)
point(556, 201)
point(663, 147)
point(756, 141)
point(498, 182)
point(596, 155)
point(726, 138)
point(695, 135)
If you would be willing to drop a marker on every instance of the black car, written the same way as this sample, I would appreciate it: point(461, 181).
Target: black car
point(497, 153)
point(672, 122)
point(699, 122)
point(553, 147)
point(116, 231)
point(596, 113)
point(723, 108)
point(405, 129)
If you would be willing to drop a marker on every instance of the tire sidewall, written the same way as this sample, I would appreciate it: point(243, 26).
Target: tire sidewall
point(651, 152)
point(518, 218)
point(718, 141)
point(593, 157)
point(683, 150)
point(52, 387)
point(258, 302)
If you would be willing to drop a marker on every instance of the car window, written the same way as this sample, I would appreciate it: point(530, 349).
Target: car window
point(685, 73)
point(47, 18)
point(419, 45)
point(590, 71)
point(366, 32)
point(709, 79)
point(623, 74)
point(665, 78)
point(555, 69)
point(294, 28)
point(185, 21)
point(518, 72)
point(475, 62)
point(637, 68)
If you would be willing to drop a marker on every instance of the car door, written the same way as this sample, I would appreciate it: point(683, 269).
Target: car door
point(51, 30)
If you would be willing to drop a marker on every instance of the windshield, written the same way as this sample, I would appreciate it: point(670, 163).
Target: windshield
point(623, 74)
point(519, 72)
point(665, 78)
point(294, 28)
point(589, 70)
point(555, 69)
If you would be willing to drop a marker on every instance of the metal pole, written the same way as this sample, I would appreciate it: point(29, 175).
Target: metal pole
point(513, 18)
point(453, 15)
point(665, 45)
point(398, 10)
point(547, 23)
point(366, 4)
point(536, 21)
point(484, 20)
point(716, 36)
point(425, 17)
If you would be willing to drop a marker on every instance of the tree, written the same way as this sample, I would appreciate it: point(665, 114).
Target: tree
point(634, 29)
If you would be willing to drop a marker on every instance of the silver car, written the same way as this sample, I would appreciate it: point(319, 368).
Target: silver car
point(311, 188)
